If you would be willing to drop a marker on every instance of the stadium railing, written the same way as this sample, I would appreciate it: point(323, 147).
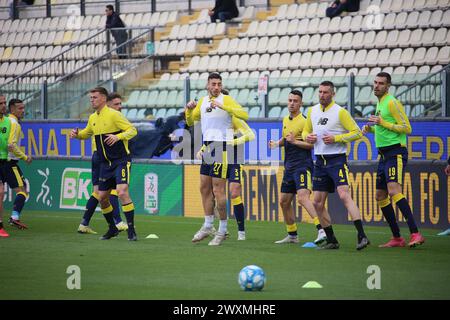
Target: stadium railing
point(63, 97)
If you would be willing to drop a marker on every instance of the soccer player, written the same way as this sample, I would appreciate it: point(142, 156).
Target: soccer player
point(391, 125)
point(7, 139)
point(243, 133)
point(111, 131)
point(113, 101)
point(12, 172)
point(298, 166)
point(215, 112)
point(330, 127)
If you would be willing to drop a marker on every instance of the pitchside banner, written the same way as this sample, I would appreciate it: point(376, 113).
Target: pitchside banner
point(429, 140)
point(56, 185)
point(426, 187)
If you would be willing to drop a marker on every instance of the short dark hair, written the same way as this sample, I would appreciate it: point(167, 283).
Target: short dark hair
point(297, 93)
point(12, 102)
point(110, 7)
point(327, 84)
point(214, 75)
point(113, 95)
point(100, 90)
point(225, 92)
point(385, 75)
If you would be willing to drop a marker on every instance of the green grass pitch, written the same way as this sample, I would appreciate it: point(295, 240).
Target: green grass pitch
point(34, 263)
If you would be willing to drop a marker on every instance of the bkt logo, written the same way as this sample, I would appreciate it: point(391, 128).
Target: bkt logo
point(76, 188)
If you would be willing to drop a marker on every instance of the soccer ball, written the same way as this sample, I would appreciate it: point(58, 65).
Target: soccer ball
point(252, 278)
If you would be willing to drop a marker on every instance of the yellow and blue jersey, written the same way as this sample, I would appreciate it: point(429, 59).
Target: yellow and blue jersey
point(109, 121)
point(294, 156)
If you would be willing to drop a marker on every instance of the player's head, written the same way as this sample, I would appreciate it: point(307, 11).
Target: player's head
point(295, 101)
point(214, 85)
point(109, 10)
point(381, 84)
point(2, 104)
point(17, 108)
point(326, 92)
point(98, 97)
point(114, 101)
point(225, 91)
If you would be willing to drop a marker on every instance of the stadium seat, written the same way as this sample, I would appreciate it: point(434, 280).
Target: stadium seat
point(295, 43)
point(272, 45)
point(432, 55)
point(132, 113)
point(364, 96)
point(141, 114)
point(443, 56)
point(292, 27)
point(262, 44)
point(409, 75)
point(242, 46)
point(418, 58)
point(360, 58)
point(342, 42)
point(439, 37)
point(356, 23)
point(324, 44)
point(160, 113)
point(407, 55)
point(170, 112)
point(436, 19)
point(317, 77)
point(254, 112)
point(316, 58)
point(327, 59)
point(274, 112)
point(252, 45)
point(281, 13)
point(358, 40)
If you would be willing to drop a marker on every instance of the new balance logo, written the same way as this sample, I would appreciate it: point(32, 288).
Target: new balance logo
point(322, 121)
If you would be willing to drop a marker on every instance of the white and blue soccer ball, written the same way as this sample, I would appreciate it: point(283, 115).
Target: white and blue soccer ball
point(252, 278)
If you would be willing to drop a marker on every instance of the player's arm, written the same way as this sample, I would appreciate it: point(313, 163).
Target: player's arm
point(14, 136)
point(128, 129)
point(83, 134)
point(354, 133)
point(241, 126)
point(233, 108)
point(301, 143)
point(308, 128)
point(401, 124)
point(193, 114)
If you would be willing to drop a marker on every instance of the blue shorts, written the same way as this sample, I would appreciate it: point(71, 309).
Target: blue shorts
point(10, 173)
point(112, 175)
point(294, 180)
point(391, 167)
point(330, 172)
point(95, 167)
